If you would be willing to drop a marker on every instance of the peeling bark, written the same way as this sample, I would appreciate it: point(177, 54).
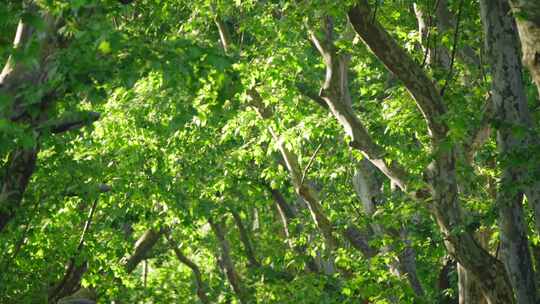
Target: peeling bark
point(512, 111)
point(527, 13)
point(335, 92)
point(468, 287)
point(368, 191)
point(441, 173)
point(396, 59)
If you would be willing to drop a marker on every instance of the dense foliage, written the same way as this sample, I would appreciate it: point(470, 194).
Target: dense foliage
point(171, 151)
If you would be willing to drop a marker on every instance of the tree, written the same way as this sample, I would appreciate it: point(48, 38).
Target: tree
point(269, 152)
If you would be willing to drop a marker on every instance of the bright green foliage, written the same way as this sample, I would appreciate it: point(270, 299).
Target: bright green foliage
point(178, 142)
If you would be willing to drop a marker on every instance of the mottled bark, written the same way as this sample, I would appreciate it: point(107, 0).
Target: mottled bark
point(305, 189)
point(441, 174)
point(512, 113)
point(246, 240)
point(360, 241)
point(335, 92)
point(527, 13)
point(202, 289)
point(367, 189)
point(396, 59)
point(15, 78)
point(226, 259)
point(302, 186)
point(334, 97)
point(468, 288)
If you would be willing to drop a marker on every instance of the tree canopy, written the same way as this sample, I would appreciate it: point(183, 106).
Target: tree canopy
point(209, 151)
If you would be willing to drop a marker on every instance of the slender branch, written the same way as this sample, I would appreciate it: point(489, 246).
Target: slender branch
point(70, 122)
point(59, 289)
point(454, 48)
point(201, 286)
point(311, 159)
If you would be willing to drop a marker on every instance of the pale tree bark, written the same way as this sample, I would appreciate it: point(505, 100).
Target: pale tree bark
point(288, 214)
point(512, 113)
point(335, 93)
point(469, 289)
point(308, 193)
point(441, 174)
point(82, 296)
point(527, 13)
point(201, 286)
point(226, 259)
point(433, 54)
point(304, 188)
point(368, 191)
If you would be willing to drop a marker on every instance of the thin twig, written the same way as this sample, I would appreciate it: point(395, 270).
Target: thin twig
point(428, 32)
point(454, 48)
point(304, 174)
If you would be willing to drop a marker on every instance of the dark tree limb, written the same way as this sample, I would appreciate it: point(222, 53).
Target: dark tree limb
point(143, 246)
point(246, 240)
point(202, 288)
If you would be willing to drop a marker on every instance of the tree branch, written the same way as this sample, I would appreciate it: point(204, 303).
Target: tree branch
point(395, 58)
point(71, 121)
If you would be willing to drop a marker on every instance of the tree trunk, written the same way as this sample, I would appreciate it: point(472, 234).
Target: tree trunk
point(527, 13)
point(17, 172)
point(15, 77)
point(368, 192)
point(230, 270)
point(469, 288)
point(444, 282)
point(510, 104)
